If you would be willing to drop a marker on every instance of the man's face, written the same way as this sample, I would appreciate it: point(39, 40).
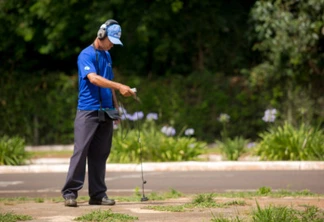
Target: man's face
point(106, 44)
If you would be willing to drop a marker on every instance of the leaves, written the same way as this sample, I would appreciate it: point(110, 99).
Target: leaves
point(12, 151)
point(232, 149)
point(291, 143)
point(288, 34)
point(154, 145)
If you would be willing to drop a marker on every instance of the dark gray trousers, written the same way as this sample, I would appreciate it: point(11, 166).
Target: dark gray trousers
point(92, 141)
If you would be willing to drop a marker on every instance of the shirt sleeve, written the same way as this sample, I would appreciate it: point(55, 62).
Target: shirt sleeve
point(86, 64)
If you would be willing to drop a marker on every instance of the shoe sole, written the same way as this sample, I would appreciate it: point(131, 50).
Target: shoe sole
point(100, 203)
point(71, 204)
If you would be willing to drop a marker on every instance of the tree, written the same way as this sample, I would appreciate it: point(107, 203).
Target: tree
point(290, 37)
point(41, 39)
point(173, 36)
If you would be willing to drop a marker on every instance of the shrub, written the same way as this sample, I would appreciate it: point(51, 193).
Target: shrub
point(291, 143)
point(264, 190)
point(155, 146)
point(232, 149)
point(12, 151)
point(43, 102)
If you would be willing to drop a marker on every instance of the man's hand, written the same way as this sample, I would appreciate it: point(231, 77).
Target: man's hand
point(105, 83)
point(126, 91)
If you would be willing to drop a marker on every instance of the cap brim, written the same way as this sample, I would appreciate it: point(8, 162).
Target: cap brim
point(115, 41)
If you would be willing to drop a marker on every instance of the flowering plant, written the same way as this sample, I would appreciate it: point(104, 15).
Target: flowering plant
point(269, 115)
point(231, 149)
point(153, 144)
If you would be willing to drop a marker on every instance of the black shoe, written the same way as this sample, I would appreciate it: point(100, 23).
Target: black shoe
point(70, 202)
point(103, 201)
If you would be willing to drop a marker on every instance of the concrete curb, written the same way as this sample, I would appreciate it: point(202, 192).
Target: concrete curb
point(173, 166)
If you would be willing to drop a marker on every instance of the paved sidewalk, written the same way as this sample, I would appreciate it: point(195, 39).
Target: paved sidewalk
point(61, 165)
point(212, 163)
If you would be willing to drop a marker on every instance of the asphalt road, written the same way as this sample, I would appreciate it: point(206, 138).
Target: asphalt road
point(190, 182)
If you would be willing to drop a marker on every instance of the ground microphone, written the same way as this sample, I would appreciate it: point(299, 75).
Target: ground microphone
point(144, 198)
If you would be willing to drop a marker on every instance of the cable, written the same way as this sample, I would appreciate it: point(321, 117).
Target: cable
point(144, 198)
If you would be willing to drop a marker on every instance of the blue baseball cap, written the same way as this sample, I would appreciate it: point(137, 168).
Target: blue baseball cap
point(114, 34)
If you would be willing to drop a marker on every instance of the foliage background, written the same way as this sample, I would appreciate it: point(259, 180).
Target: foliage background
point(190, 61)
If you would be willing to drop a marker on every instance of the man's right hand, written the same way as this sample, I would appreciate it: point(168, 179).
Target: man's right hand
point(126, 91)
point(105, 83)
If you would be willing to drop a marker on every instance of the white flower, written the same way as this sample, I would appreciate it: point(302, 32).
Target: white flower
point(224, 118)
point(123, 113)
point(189, 132)
point(168, 130)
point(152, 116)
point(122, 110)
point(115, 126)
point(269, 115)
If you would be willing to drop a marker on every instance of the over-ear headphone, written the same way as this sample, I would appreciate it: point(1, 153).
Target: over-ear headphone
point(102, 33)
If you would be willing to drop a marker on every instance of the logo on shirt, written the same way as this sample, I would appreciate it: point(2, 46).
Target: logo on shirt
point(86, 68)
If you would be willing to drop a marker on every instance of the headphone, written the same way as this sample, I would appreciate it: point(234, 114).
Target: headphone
point(102, 33)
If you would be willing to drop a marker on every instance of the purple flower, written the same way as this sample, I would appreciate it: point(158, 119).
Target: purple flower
point(168, 130)
point(134, 117)
point(138, 115)
point(251, 145)
point(189, 132)
point(152, 116)
point(269, 115)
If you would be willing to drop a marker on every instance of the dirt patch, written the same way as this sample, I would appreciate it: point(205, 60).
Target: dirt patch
point(50, 211)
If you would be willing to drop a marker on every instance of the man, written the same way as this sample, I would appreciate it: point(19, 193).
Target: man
point(92, 130)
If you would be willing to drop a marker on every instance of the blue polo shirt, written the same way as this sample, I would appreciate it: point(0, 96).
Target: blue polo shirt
point(88, 92)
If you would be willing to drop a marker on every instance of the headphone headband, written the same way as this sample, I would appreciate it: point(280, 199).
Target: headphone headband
point(102, 30)
point(111, 22)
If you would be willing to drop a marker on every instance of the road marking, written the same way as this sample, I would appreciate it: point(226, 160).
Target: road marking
point(240, 190)
point(130, 176)
point(10, 183)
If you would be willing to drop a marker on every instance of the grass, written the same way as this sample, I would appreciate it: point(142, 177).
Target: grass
point(302, 213)
point(266, 214)
point(50, 154)
point(10, 201)
point(173, 208)
point(12, 217)
point(287, 214)
point(266, 191)
point(222, 218)
point(172, 194)
point(105, 215)
point(136, 197)
point(199, 201)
